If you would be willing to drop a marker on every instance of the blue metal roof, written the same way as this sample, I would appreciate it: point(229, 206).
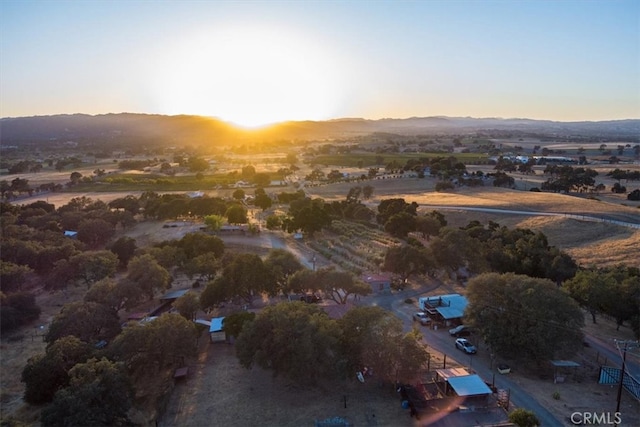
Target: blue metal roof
point(216, 324)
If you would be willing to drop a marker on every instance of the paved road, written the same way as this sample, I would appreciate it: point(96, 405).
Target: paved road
point(588, 218)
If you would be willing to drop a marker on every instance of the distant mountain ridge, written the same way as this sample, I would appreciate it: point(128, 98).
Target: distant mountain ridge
point(199, 129)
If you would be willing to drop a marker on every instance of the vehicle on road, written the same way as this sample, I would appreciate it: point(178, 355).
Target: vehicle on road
point(460, 331)
point(421, 317)
point(464, 345)
point(311, 298)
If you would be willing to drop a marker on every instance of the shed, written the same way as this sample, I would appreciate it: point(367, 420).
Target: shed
point(469, 385)
point(560, 369)
point(380, 283)
point(173, 295)
point(216, 332)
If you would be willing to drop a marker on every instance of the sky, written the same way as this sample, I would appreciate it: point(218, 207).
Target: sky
point(258, 62)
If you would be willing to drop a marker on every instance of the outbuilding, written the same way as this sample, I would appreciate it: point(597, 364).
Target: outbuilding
point(447, 308)
point(380, 283)
point(216, 332)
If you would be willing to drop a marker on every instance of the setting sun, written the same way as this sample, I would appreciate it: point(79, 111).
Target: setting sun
point(250, 77)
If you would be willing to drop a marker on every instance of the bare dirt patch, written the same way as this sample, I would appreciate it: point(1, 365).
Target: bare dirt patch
point(221, 392)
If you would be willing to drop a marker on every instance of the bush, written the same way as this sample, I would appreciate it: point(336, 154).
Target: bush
point(523, 418)
point(408, 301)
point(17, 309)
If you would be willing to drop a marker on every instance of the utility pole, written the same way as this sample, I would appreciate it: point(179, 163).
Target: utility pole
point(628, 345)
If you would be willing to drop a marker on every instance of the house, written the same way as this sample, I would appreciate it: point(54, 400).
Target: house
point(447, 308)
point(216, 332)
point(380, 283)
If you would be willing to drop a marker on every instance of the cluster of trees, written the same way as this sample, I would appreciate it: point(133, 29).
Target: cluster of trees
point(246, 276)
point(479, 249)
point(565, 178)
point(87, 384)
point(611, 291)
point(523, 317)
point(300, 341)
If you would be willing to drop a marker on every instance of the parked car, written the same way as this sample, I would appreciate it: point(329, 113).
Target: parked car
point(464, 345)
point(310, 298)
point(460, 331)
point(421, 317)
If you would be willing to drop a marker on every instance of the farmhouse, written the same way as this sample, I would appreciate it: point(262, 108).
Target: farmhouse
point(446, 308)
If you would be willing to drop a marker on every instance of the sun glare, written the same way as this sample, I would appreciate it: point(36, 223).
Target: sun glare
point(250, 77)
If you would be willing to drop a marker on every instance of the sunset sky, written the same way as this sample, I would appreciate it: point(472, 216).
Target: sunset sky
point(255, 62)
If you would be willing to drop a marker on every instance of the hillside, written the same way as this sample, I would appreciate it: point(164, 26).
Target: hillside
point(127, 127)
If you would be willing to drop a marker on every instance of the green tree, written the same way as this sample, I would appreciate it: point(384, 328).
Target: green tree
point(187, 305)
point(128, 203)
point(168, 256)
point(367, 191)
point(214, 293)
point(406, 260)
point(45, 374)
point(236, 214)
point(152, 347)
point(389, 207)
point(91, 266)
point(17, 309)
point(124, 248)
point(523, 418)
point(274, 222)
point(88, 321)
point(148, 275)
point(234, 323)
point(523, 317)
point(373, 337)
point(283, 264)
point(75, 178)
point(95, 232)
point(197, 164)
point(427, 225)
point(214, 222)
point(238, 194)
point(99, 394)
point(12, 276)
point(340, 285)
point(245, 275)
point(293, 339)
point(262, 179)
point(194, 244)
point(592, 290)
point(206, 266)
point(308, 215)
point(400, 224)
point(262, 200)
point(106, 292)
